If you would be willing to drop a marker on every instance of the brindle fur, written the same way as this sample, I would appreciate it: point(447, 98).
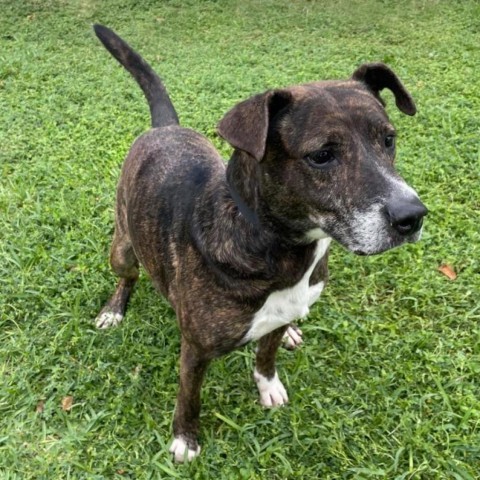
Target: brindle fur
point(215, 261)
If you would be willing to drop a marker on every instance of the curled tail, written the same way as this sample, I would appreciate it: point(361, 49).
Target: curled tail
point(161, 108)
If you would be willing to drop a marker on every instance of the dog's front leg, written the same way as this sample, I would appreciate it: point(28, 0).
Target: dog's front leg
point(187, 414)
point(272, 391)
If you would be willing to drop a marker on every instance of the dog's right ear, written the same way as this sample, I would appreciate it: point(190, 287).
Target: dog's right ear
point(246, 125)
point(377, 76)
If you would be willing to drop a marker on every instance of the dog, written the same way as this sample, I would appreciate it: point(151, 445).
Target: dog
point(240, 250)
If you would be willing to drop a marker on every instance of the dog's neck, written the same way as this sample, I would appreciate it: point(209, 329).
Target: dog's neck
point(247, 212)
point(243, 183)
point(241, 176)
point(239, 239)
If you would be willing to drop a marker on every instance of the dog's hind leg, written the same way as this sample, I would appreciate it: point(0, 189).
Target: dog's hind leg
point(125, 264)
point(292, 338)
point(271, 389)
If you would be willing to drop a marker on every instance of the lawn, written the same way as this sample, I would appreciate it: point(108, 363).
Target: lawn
point(387, 384)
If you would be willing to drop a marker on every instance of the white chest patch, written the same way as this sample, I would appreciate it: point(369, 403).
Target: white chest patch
point(284, 306)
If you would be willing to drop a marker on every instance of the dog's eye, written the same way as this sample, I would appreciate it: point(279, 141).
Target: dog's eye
point(390, 141)
point(321, 159)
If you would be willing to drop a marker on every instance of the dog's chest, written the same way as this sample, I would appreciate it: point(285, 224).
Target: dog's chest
point(284, 306)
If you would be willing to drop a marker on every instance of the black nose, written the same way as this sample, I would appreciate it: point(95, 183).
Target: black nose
point(406, 216)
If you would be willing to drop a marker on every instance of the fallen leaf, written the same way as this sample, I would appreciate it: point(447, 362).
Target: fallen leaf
point(67, 403)
point(448, 271)
point(40, 407)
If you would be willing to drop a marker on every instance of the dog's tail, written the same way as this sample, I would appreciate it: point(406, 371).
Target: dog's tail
point(161, 108)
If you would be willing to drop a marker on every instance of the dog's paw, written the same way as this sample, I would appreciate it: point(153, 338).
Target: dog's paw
point(107, 319)
point(292, 338)
point(181, 451)
point(272, 392)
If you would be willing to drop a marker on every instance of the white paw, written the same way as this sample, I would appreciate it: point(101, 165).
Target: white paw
point(272, 392)
point(108, 319)
point(292, 338)
point(181, 452)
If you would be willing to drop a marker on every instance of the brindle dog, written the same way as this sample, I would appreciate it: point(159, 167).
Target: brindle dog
point(240, 251)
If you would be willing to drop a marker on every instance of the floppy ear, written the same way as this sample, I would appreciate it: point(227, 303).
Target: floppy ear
point(377, 76)
point(246, 125)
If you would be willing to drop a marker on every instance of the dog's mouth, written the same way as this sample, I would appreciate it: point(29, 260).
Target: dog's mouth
point(389, 240)
point(376, 229)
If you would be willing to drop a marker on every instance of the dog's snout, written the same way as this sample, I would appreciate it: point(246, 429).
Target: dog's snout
point(406, 216)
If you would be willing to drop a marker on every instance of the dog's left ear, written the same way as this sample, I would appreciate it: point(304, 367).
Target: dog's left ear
point(377, 76)
point(246, 125)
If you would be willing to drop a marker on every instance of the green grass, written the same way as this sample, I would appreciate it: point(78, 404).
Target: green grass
point(387, 385)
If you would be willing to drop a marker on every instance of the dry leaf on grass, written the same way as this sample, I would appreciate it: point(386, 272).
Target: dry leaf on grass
point(67, 403)
point(40, 407)
point(448, 271)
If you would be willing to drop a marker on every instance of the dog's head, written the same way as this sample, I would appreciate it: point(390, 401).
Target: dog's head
point(324, 155)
